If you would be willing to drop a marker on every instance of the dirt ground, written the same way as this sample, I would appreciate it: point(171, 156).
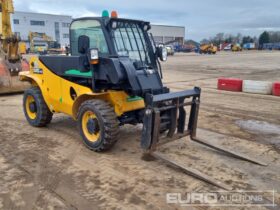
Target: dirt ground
point(50, 168)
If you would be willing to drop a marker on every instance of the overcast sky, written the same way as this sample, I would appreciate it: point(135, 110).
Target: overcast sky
point(202, 18)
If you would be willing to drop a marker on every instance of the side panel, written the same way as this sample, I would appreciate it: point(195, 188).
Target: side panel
point(57, 92)
point(52, 87)
point(121, 102)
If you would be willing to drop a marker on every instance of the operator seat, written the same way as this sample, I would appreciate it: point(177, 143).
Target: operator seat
point(70, 65)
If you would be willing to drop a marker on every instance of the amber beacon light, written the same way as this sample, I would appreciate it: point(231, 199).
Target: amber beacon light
point(114, 14)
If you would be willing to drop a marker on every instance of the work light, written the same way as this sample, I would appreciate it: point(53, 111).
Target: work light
point(94, 56)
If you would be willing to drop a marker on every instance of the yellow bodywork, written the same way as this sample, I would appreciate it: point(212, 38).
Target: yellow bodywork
point(56, 92)
point(22, 48)
point(8, 48)
point(236, 48)
point(208, 48)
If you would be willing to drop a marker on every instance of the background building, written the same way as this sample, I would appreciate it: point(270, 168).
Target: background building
point(167, 34)
point(55, 26)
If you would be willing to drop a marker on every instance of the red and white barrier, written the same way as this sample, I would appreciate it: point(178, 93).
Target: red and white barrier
point(276, 89)
point(230, 84)
point(257, 87)
point(249, 86)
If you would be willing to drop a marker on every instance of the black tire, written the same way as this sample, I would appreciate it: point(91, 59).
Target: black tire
point(43, 114)
point(107, 121)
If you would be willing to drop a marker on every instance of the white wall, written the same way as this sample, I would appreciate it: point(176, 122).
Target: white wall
point(167, 33)
point(24, 26)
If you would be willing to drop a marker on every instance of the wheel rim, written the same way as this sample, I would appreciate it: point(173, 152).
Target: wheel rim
point(90, 126)
point(31, 108)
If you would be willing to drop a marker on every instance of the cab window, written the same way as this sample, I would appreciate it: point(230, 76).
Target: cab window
point(92, 29)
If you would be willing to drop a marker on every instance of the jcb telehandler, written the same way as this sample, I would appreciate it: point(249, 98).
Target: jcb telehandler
point(112, 78)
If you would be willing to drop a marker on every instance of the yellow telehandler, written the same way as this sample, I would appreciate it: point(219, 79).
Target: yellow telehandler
point(113, 77)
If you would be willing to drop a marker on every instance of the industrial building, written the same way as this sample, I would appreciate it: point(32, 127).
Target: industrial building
point(168, 34)
point(57, 27)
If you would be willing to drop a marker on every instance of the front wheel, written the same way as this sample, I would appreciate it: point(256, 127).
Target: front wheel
point(98, 125)
point(35, 109)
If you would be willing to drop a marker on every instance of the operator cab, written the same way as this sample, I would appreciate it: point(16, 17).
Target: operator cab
point(115, 38)
point(111, 53)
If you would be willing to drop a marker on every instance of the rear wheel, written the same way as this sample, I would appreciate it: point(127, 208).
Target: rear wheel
point(98, 125)
point(35, 109)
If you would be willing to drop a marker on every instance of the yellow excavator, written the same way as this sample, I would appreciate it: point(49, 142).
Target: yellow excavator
point(236, 48)
point(38, 48)
point(208, 49)
point(11, 62)
point(43, 48)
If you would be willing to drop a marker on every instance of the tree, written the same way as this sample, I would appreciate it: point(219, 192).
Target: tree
point(229, 38)
point(264, 38)
point(239, 38)
point(204, 41)
point(274, 36)
point(219, 38)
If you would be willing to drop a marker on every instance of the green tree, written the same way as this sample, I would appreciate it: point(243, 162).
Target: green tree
point(264, 38)
point(229, 39)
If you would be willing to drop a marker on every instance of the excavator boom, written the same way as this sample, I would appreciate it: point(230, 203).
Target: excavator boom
point(10, 59)
point(33, 35)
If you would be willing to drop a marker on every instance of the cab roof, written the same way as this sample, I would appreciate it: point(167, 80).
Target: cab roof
point(107, 20)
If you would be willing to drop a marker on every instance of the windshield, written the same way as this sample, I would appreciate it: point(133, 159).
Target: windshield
point(92, 29)
point(129, 40)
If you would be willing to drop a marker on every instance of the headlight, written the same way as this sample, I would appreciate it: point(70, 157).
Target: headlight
point(146, 27)
point(94, 54)
point(164, 54)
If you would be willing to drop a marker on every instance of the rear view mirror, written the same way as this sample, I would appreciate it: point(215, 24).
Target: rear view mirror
point(83, 44)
